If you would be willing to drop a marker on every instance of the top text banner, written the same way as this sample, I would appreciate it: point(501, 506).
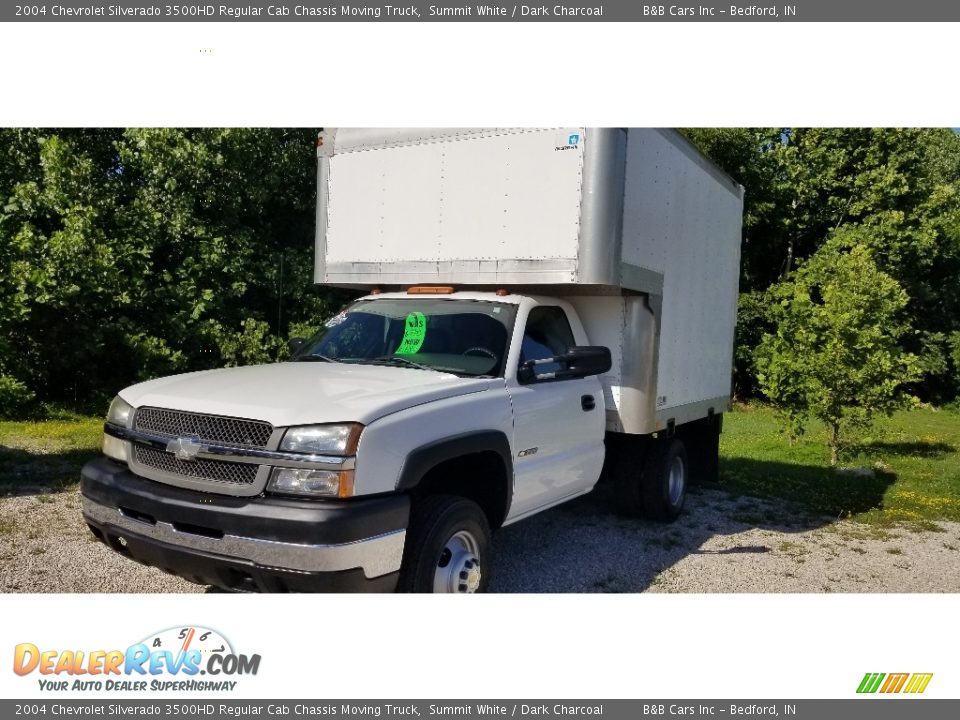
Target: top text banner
point(570, 11)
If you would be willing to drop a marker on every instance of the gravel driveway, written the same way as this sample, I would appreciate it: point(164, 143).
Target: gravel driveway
point(720, 544)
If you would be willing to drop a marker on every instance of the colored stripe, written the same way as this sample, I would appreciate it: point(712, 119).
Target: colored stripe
point(862, 688)
point(870, 682)
point(903, 679)
point(894, 682)
point(918, 682)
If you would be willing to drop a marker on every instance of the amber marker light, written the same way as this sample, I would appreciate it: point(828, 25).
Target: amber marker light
point(345, 488)
point(353, 439)
point(430, 290)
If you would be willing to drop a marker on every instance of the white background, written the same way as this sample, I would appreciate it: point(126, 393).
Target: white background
point(671, 74)
point(530, 646)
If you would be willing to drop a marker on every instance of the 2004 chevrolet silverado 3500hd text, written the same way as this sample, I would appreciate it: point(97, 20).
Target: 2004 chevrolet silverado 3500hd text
point(540, 302)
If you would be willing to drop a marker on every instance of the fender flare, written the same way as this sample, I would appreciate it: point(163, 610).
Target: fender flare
point(422, 459)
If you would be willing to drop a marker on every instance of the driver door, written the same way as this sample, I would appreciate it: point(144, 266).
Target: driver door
point(558, 424)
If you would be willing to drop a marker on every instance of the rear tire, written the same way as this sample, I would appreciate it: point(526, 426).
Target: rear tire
point(666, 473)
point(447, 547)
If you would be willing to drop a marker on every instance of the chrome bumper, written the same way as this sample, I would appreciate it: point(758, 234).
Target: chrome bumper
point(376, 556)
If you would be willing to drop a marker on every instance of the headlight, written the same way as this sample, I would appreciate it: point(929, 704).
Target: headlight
point(319, 483)
point(323, 439)
point(120, 412)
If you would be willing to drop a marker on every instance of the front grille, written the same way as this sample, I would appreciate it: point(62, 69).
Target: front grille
point(212, 470)
point(209, 428)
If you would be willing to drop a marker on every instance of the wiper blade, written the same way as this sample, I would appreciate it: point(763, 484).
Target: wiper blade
point(459, 372)
point(385, 359)
point(314, 358)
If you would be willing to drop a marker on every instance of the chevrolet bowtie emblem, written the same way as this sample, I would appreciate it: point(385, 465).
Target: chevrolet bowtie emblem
point(185, 448)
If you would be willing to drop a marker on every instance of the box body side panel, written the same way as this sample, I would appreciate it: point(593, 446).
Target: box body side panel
point(684, 222)
point(465, 209)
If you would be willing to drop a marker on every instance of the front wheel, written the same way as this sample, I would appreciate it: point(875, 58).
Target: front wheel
point(447, 548)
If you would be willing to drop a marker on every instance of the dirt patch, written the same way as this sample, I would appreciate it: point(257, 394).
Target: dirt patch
point(721, 543)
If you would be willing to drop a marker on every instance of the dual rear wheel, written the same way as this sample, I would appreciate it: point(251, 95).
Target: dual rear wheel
point(651, 478)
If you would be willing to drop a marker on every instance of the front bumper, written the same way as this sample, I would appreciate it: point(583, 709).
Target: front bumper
point(265, 544)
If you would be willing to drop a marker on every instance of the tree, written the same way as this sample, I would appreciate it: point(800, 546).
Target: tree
point(835, 354)
point(128, 254)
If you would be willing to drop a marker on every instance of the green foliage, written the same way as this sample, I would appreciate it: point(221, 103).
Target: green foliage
point(753, 320)
point(305, 330)
point(253, 344)
point(128, 254)
point(835, 354)
point(16, 399)
point(954, 345)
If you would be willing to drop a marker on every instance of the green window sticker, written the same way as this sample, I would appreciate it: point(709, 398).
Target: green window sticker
point(414, 331)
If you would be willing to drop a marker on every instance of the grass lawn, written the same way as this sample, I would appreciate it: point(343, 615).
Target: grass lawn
point(915, 458)
point(47, 455)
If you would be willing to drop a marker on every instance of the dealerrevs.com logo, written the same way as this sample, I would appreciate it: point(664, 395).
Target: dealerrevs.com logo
point(172, 660)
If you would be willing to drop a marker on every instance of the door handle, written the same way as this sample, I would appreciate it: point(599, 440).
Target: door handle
point(587, 402)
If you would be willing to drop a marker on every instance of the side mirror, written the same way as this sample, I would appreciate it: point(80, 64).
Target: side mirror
point(587, 360)
point(578, 362)
point(295, 344)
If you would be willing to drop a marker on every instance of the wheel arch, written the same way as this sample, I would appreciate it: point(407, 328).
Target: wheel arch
point(477, 465)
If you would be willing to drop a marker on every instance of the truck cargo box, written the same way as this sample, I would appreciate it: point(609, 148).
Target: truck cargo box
point(633, 226)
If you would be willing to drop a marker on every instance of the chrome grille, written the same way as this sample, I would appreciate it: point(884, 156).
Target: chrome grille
point(209, 428)
point(211, 470)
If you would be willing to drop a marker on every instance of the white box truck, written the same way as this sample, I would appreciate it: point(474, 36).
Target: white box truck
point(540, 304)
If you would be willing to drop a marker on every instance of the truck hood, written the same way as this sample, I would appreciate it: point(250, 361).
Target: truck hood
point(302, 393)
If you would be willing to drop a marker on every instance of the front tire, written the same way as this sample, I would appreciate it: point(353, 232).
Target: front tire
point(447, 547)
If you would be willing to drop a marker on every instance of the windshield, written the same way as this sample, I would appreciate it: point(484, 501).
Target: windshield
point(465, 337)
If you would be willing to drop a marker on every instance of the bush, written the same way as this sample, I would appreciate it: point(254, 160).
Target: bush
point(16, 399)
point(753, 320)
point(252, 345)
